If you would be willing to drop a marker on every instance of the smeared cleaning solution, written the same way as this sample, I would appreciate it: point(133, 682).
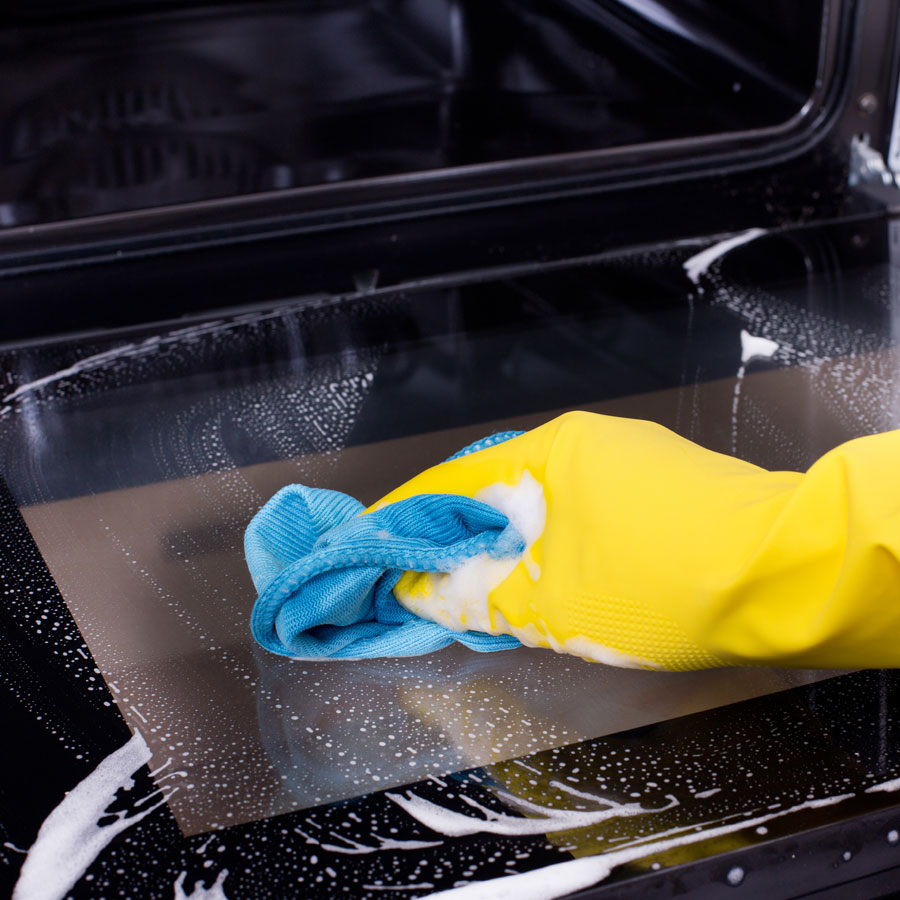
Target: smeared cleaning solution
point(566, 877)
point(70, 839)
point(549, 819)
point(887, 787)
point(698, 265)
point(703, 795)
point(752, 347)
point(459, 599)
point(200, 892)
point(147, 347)
point(583, 647)
point(356, 848)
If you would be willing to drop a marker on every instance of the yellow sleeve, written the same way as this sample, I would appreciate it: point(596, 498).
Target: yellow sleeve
point(656, 552)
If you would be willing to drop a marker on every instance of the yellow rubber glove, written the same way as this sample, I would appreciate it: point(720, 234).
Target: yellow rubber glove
point(647, 550)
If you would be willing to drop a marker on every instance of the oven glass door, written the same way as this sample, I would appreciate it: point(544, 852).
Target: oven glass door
point(136, 460)
point(121, 107)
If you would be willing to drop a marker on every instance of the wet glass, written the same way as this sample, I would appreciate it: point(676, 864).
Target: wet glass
point(124, 109)
point(138, 459)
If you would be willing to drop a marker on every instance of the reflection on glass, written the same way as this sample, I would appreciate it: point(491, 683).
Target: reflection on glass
point(138, 466)
point(119, 112)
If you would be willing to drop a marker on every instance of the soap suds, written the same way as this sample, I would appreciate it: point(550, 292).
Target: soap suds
point(886, 786)
point(702, 795)
point(698, 265)
point(351, 847)
point(455, 824)
point(132, 350)
point(70, 839)
point(459, 599)
point(398, 887)
point(200, 891)
point(566, 877)
point(591, 650)
point(533, 636)
point(752, 347)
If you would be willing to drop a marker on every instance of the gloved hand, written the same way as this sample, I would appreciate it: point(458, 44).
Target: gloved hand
point(628, 545)
point(644, 549)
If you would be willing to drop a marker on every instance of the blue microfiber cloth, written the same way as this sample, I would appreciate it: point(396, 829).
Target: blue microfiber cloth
point(325, 574)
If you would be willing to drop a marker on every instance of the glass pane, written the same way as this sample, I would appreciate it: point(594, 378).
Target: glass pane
point(137, 461)
point(122, 111)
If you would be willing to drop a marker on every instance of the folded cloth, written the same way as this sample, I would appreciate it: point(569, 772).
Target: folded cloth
point(325, 573)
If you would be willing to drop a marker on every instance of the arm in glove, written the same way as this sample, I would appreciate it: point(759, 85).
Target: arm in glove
point(645, 549)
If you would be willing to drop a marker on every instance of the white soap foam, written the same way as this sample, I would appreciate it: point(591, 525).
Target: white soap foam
point(132, 350)
point(566, 877)
point(351, 847)
point(70, 839)
point(588, 649)
point(459, 599)
point(752, 347)
point(702, 795)
point(548, 819)
point(200, 891)
point(148, 348)
point(698, 265)
point(885, 786)
point(533, 636)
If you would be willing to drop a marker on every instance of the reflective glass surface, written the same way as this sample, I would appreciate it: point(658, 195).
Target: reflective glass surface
point(131, 108)
point(137, 461)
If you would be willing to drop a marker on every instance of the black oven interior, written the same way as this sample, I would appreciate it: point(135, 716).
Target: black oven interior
point(107, 108)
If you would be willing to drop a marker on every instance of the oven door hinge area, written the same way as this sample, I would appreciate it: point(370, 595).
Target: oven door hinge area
point(867, 165)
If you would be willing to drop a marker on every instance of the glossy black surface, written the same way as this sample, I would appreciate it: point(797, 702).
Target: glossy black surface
point(759, 763)
point(173, 436)
point(130, 109)
point(470, 348)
